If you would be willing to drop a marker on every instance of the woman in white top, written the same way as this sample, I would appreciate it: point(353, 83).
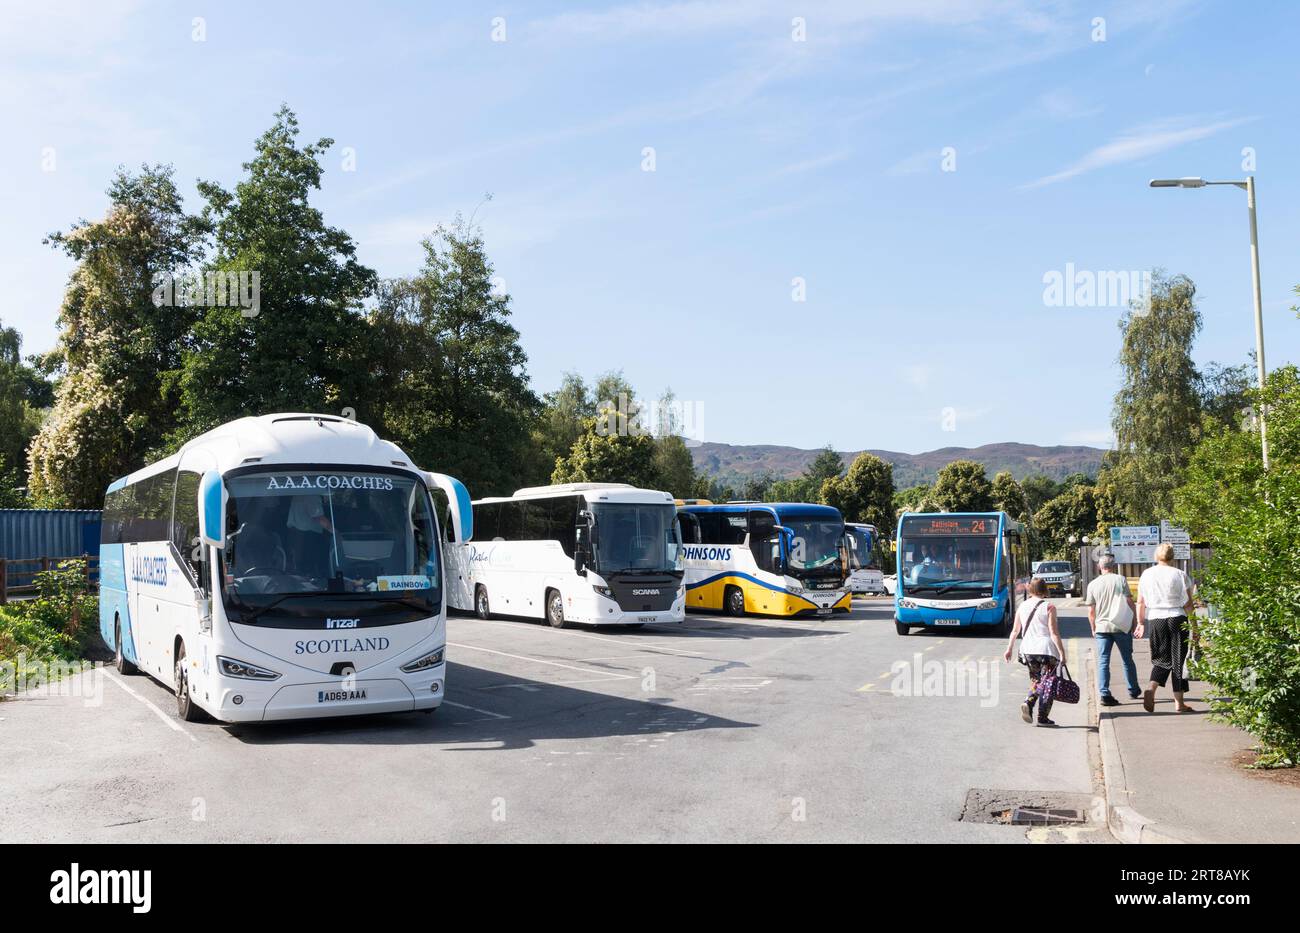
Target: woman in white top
point(1040, 650)
point(1164, 611)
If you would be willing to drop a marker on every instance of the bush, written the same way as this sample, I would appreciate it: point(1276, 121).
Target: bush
point(1251, 651)
point(56, 625)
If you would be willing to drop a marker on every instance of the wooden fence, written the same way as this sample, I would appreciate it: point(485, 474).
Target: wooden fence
point(18, 575)
point(1088, 568)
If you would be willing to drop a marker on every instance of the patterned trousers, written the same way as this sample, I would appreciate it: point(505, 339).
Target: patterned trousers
point(1042, 682)
point(1169, 643)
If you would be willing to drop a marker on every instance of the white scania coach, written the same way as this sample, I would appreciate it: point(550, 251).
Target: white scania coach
point(281, 567)
point(592, 553)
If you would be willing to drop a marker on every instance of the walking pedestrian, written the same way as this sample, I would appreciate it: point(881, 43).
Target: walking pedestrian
point(1040, 650)
point(1110, 616)
point(1164, 604)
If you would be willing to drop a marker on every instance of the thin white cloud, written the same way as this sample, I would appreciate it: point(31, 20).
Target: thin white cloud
point(1137, 144)
point(1090, 437)
point(824, 18)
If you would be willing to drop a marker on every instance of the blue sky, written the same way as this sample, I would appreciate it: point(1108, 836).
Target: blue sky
point(774, 159)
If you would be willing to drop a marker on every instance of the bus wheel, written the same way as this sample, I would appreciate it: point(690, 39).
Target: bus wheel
point(734, 601)
point(481, 607)
point(120, 663)
point(554, 608)
point(186, 708)
point(902, 628)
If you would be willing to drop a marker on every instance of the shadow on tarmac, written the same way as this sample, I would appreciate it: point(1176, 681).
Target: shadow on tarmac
point(526, 712)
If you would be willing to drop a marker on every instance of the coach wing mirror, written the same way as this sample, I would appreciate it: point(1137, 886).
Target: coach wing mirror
point(213, 500)
point(458, 502)
point(582, 541)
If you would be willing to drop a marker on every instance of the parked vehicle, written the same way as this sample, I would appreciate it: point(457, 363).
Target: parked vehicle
point(959, 569)
point(1059, 576)
point(280, 567)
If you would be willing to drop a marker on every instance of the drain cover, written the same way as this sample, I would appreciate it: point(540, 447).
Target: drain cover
point(1040, 816)
point(1025, 808)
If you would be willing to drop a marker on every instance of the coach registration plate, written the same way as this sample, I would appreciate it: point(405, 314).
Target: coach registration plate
point(947, 621)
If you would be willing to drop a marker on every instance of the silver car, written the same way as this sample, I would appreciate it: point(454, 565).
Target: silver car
point(1059, 576)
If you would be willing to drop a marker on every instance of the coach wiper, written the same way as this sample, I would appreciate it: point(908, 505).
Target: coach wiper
point(249, 616)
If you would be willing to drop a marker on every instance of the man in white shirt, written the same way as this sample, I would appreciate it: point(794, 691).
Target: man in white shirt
point(1110, 616)
point(1164, 605)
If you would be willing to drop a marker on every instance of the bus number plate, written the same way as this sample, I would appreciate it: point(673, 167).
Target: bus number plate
point(947, 621)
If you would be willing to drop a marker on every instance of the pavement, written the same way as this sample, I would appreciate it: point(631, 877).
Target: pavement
point(717, 729)
point(1176, 777)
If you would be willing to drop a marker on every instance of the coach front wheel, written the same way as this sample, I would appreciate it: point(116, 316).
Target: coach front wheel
point(554, 609)
point(186, 708)
point(734, 601)
point(120, 663)
point(902, 628)
point(481, 607)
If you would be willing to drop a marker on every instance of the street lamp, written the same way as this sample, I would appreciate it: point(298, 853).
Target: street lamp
point(1249, 187)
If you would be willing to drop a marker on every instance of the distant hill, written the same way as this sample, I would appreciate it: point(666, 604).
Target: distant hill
point(735, 461)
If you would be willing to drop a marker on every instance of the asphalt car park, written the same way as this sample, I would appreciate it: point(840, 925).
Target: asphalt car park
point(714, 729)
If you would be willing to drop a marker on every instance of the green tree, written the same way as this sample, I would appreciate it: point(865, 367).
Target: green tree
point(1009, 497)
point(792, 489)
point(915, 499)
point(1157, 412)
point(1227, 465)
point(1249, 653)
point(1225, 394)
point(299, 352)
point(963, 486)
point(455, 390)
point(1252, 519)
point(1071, 514)
point(22, 392)
point(118, 352)
point(756, 487)
point(1038, 489)
point(673, 462)
point(865, 493)
point(673, 466)
point(560, 424)
point(600, 456)
point(826, 465)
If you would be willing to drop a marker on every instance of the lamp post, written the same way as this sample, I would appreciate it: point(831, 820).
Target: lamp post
point(1249, 187)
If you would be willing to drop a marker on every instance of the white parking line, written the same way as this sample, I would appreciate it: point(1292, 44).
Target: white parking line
point(609, 675)
point(171, 723)
point(646, 646)
point(475, 709)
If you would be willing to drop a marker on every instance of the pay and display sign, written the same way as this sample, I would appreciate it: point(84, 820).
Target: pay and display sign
point(1135, 544)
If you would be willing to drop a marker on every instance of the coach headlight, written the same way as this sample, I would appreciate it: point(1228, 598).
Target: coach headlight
point(988, 604)
point(906, 604)
point(603, 590)
point(242, 669)
point(424, 662)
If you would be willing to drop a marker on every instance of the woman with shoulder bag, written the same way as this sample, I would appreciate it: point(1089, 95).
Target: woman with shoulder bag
point(1040, 650)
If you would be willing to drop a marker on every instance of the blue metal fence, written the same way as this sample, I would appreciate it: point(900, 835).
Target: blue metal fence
point(32, 540)
point(29, 533)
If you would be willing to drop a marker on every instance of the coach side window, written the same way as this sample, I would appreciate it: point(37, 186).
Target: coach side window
point(185, 526)
point(485, 521)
